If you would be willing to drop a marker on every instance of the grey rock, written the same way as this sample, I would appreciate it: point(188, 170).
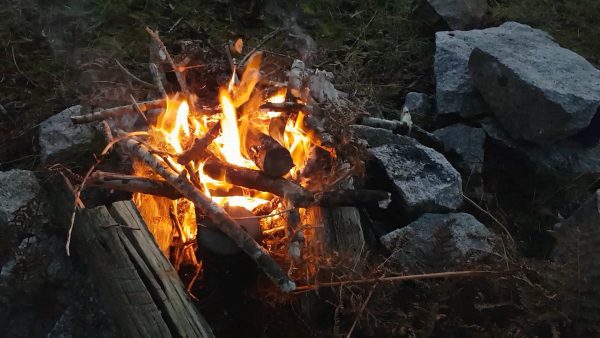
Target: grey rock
point(436, 241)
point(457, 14)
point(61, 140)
point(538, 91)
point(422, 177)
point(18, 190)
point(466, 142)
point(417, 103)
point(376, 137)
point(564, 157)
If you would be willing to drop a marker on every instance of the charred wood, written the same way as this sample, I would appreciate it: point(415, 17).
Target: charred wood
point(268, 155)
point(257, 180)
point(197, 151)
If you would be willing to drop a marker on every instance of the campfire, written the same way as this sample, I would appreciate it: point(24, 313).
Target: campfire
point(251, 169)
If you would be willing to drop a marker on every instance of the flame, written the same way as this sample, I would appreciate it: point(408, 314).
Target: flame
point(178, 125)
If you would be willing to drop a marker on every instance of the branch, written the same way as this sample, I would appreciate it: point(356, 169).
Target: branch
point(180, 77)
point(117, 111)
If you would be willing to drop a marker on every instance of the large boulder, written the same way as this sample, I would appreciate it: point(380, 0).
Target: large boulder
point(539, 91)
point(422, 178)
point(551, 66)
point(456, 14)
point(467, 143)
point(61, 140)
point(437, 241)
point(564, 157)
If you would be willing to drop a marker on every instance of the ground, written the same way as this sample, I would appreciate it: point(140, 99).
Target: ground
point(55, 54)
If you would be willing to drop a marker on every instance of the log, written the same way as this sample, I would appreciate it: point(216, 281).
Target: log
point(257, 180)
point(117, 111)
point(132, 183)
point(214, 212)
point(268, 155)
point(355, 198)
point(141, 291)
point(197, 151)
point(403, 128)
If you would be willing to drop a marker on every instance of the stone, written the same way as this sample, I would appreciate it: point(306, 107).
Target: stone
point(564, 157)
point(437, 241)
point(456, 14)
point(18, 190)
point(538, 91)
point(61, 140)
point(423, 179)
point(467, 143)
point(417, 104)
point(455, 90)
point(376, 137)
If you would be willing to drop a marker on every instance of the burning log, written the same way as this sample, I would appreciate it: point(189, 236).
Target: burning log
point(268, 155)
point(257, 180)
point(197, 151)
point(117, 111)
point(215, 213)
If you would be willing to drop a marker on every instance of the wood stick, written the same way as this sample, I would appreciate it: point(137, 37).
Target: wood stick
point(257, 180)
point(197, 151)
point(355, 198)
point(117, 111)
point(180, 77)
point(435, 275)
point(397, 127)
point(158, 80)
point(132, 183)
point(268, 155)
point(215, 213)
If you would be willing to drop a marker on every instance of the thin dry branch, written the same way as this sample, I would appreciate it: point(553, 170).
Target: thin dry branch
point(102, 115)
point(180, 77)
point(435, 275)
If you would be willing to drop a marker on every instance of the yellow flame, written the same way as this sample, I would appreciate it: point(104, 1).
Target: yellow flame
point(174, 121)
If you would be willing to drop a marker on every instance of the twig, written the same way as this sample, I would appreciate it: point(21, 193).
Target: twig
point(490, 216)
point(264, 216)
point(362, 308)
point(158, 80)
point(175, 25)
point(260, 44)
point(180, 77)
point(136, 106)
point(117, 111)
point(435, 275)
point(20, 71)
point(137, 79)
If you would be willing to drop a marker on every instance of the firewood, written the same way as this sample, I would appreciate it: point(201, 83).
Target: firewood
point(117, 111)
point(257, 180)
point(139, 287)
point(214, 212)
point(268, 155)
point(179, 75)
point(132, 183)
point(197, 151)
point(355, 198)
point(397, 127)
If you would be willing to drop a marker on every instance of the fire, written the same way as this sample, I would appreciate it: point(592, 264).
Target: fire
point(178, 125)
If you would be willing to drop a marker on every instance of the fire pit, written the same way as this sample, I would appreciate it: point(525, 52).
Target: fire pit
point(262, 162)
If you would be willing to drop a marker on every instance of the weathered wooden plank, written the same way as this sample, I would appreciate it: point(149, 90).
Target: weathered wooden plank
point(125, 295)
point(168, 291)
